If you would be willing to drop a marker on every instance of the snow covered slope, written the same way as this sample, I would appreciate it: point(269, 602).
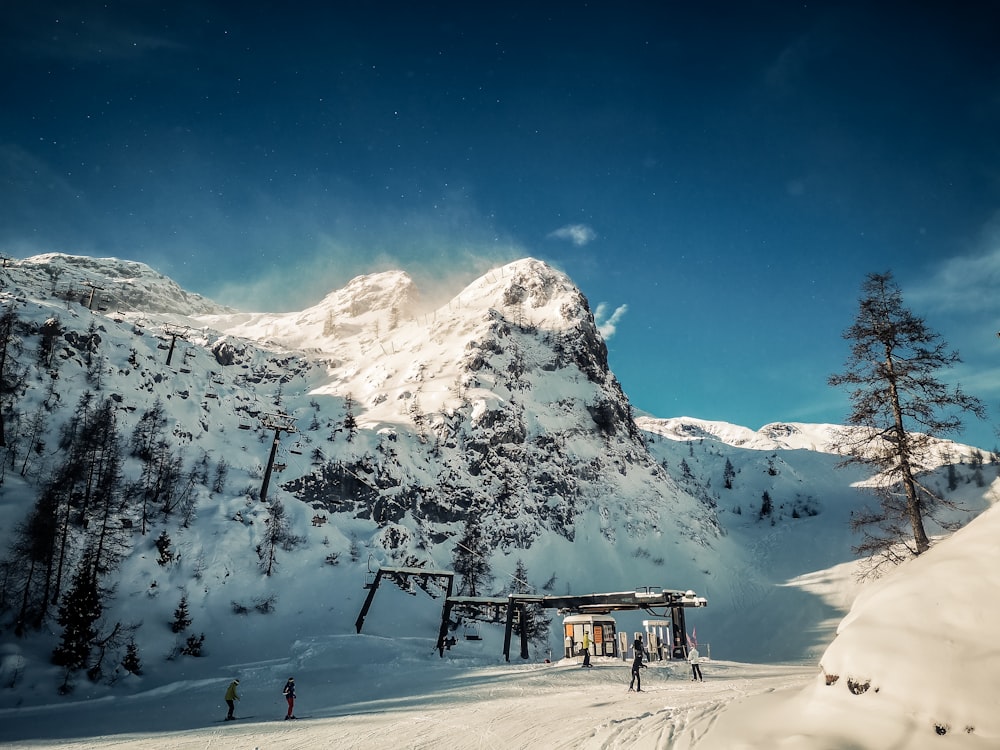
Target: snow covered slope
point(496, 407)
point(106, 284)
point(822, 438)
point(913, 664)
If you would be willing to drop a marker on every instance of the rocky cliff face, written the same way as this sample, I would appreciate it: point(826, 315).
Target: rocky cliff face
point(498, 404)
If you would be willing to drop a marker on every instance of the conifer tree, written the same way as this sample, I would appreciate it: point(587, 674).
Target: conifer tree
point(149, 431)
point(157, 489)
point(131, 662)
point(766, 508)
point(533, 621)
point(162, 544)
point(901, 406)
point(219, 477)
point(193, 645)
point(182, 618)
point(350, 423)
point(277, 535)
point(34, 545)
point(952, 477)
point(106, 502)
point(78, 615)
point(728, 474)
point(79, 507)
point(34, 444)
point(471, 559)
point(11, 373)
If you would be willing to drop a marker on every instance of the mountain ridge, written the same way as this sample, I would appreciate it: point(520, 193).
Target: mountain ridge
point(497, 407)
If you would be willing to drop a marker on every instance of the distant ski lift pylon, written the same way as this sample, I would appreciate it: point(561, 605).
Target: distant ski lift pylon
point(370, 575)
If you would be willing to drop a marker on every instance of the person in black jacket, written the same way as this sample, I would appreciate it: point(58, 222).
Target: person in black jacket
point(637, 665)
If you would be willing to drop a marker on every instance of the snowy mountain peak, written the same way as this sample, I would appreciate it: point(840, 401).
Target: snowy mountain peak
point(530, 291)
point(821, 438)
point(109, 284)
point(384, 349)
point(373, 293)
point(393, 432)
point(774, 436)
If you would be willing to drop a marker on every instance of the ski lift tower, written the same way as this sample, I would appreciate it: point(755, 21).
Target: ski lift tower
point(279, 423)
point(174, 332)
point(93, 288)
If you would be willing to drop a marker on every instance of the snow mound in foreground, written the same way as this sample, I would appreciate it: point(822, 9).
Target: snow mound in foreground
point(909, 667)
point(916, 639)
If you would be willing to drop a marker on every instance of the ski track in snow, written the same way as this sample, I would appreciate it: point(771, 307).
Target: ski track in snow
point(496, 708)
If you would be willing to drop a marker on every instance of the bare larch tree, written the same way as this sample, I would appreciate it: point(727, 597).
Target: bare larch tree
point(902, 408)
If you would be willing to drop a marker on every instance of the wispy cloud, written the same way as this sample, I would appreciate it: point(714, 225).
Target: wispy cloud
point(790, 71)
point(301, 259)
point(578, 234)
point(65, 31)
point(606, 324)
point(965, 283)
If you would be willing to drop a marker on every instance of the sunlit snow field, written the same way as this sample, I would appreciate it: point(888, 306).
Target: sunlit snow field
point(414, 700)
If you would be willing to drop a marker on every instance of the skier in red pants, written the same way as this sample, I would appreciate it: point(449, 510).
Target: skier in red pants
point(289, 693)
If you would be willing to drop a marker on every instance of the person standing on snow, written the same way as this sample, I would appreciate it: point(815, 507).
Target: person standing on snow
point(638, 647)
point(231, 697)
point(289, 692)
point(636, 666)
point(695, 658)
point(586, 649)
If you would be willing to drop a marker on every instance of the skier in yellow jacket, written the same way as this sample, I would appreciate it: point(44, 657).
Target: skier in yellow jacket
point(231, 697)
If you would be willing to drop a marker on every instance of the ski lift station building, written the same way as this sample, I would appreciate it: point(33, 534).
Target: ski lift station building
point(583, 613)
point(600, 630)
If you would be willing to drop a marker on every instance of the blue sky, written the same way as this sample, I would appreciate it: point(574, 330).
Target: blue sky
point(717, 177)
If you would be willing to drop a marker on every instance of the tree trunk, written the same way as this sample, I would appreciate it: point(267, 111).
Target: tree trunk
point(913, 511)
point(19, 627)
